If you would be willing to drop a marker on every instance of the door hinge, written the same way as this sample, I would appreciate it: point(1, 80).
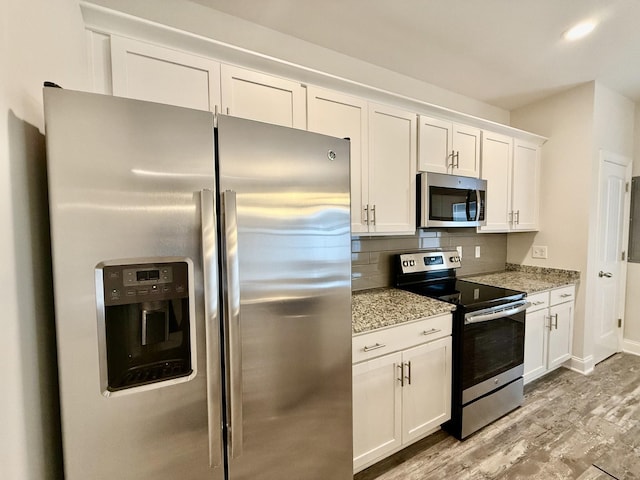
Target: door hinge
point(624, 256)
point(626, 187)
point(619, 323)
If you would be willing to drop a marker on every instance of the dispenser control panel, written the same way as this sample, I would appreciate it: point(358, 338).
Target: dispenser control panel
point(125, 284)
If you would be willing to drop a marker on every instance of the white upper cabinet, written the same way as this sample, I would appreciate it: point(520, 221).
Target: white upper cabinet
point(261, 97)
point(511, 168)
point(333, 113)
point(446, 147)
point(391, 206)
point(497, 154)
point(157, 74)
point(526, 185)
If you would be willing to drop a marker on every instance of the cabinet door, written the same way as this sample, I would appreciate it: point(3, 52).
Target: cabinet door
point(148, 72)
point(560, 334)
point(377, 403)
point(526, 181)
point(434, 145)
point(535, 344)
point(497, 152)
point(261, 97)
point(466, 144)
point(426, 401)
point(392, 170)
point(338, 115)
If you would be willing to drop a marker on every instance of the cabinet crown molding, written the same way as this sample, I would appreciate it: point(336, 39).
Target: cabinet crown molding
point(104, 20)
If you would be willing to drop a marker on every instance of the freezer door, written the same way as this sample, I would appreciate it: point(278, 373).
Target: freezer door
point(131, 200)
point(287, 292)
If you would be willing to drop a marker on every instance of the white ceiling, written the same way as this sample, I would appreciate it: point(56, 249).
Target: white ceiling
point(504, 52)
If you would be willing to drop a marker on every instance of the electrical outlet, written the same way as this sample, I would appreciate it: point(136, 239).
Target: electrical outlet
point(477, 251)
point(539, 251)
point(459, 249)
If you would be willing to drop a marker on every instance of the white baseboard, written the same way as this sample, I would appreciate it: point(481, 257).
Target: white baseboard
point(581, 365)
point(631, 346)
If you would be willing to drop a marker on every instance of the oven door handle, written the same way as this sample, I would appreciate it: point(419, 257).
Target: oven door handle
point(485, 317)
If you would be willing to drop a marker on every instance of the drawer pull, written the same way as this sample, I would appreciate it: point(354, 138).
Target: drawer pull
point(368, 348)
point(565, 295)
point(537, 303)
point(431, 332)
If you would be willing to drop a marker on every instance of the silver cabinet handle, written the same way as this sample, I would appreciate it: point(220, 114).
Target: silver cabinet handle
point(212, 337)
point(366, 215)
point(556, 323)
point(605, 274)
point(517, 217)
point(457, 159)
point(510, 214)
point(565, 295)
point(537, 303)
point(553, 325)
point(452, 155)
point(369, 348)
point(373, 215)
point(401, 379)
point(408, 376)
point(432, 331)
point(231, 292)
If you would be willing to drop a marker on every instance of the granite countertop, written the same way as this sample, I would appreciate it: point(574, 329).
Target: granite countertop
point(384, 307)
point(528, 279)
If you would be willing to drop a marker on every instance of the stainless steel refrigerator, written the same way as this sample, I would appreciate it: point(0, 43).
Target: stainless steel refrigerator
point(202, 293)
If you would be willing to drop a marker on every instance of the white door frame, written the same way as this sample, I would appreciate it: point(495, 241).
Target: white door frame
point(606, 156)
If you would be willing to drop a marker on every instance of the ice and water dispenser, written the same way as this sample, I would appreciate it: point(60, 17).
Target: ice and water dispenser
point(147, 323)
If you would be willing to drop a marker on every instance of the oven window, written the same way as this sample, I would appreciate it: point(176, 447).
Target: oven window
point(492, 347)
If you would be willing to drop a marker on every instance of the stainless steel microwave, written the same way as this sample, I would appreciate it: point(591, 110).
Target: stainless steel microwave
point(451, 200)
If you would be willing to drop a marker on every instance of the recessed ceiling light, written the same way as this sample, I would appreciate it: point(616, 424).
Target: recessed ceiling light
point(580, 30)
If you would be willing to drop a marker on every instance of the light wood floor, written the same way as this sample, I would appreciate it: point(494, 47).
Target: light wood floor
point(571, 426)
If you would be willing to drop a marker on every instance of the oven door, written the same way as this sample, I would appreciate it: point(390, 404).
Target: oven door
point(492, 349)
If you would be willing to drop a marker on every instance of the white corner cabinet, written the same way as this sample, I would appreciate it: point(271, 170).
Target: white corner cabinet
point(383, 158)
point(511, 168)
point(548, 331)
point(401, 386)
point(446, 147)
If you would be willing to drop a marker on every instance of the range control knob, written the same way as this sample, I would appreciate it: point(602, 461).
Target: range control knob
point(454, 259)
point(412, 263)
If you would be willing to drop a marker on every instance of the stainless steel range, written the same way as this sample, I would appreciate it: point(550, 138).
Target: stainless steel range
point(488, 338)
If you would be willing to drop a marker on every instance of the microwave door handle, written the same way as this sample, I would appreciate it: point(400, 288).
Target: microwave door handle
point(468, 206)
point(478, 205)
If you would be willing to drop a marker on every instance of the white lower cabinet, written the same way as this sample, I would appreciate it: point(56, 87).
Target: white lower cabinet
point(402, 396)
point(548, 331)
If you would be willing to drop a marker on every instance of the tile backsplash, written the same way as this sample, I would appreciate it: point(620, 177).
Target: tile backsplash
point(372, 257)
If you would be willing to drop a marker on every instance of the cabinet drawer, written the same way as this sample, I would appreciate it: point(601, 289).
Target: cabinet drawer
point(564, 294)
point(380, 342)
point(538, 301)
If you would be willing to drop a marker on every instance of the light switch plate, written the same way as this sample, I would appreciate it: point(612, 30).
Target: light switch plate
point(539, 251)
point(459, 249)
point(477, 251)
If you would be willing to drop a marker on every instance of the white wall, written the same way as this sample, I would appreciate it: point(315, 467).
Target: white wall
point(579, 122)
point(41, 40)
point(197, 19)
point(567, 168)
point(613, 132)
point(632, 307)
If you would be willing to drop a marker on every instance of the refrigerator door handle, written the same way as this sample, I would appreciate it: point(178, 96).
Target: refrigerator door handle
point(214, 381)
point(231, 291)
